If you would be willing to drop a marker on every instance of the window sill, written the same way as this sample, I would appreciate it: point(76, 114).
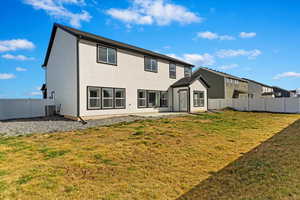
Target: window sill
point(150, 71)
point(101, 62)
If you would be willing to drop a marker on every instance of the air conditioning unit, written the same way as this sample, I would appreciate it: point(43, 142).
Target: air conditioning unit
point(50, 110)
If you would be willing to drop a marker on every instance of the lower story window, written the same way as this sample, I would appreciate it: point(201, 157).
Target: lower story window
point(94, 98)
point(119, 98)
point(164, 99)
point(199, 99)
point(150, 99)
point(142, 98)
point(105, 98)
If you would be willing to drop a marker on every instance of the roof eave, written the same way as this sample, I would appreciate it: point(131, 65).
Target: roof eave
point(80, 36)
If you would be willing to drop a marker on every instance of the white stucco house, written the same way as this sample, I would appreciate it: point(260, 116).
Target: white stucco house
point(89, 75)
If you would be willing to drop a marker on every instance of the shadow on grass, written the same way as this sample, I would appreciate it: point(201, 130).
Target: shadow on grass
point(269, 171)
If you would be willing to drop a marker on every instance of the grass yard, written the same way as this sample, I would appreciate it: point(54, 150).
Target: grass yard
point(191, 157)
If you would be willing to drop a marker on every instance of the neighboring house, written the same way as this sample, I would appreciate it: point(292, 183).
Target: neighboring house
point(259, 90)
point(89, 75)
point(293, 93)
point(280, 92)
point(222, 85)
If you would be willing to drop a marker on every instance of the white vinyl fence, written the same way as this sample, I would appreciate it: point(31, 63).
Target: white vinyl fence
point(23, 108)
point(282, 105)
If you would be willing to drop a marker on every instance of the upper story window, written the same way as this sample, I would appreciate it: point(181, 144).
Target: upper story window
point(172, 70)
point(163, 99)
point(106, 55)
point(187, 72)
point(150, 64)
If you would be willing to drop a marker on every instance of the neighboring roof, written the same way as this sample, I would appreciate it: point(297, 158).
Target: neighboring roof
point(262, 84)
point(278, 88)
point(186, 81)
point(103, 40)
point(219, 73)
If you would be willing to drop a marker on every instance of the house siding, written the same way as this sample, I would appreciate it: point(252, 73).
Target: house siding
point(61, 73)
point(128, 73)
point(255, 89)
point(216, 82)
point(231, 87)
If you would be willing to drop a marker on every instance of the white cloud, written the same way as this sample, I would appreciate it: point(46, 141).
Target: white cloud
point(15, 44)
point(200, 59)
point(196, 59)
point(214, 36)
point(21, 69)
point(228, 67)
point(251, 54)
point(35, 93)
point(287, 75)
point(16, 57)
point(158, 12)
point(247, 35)
point(57, 9)
point(5, 76)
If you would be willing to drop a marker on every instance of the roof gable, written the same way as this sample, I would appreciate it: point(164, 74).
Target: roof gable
point(186, 81)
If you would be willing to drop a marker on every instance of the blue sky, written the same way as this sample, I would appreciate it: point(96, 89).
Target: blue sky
point(257, 39)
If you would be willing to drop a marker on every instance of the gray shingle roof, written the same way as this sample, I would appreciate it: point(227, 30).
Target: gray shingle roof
point(220, 73)
point(103, 40)
point(186, 81)
point(262, 84)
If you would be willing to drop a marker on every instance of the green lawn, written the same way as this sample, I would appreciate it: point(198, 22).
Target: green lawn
point(192, 157)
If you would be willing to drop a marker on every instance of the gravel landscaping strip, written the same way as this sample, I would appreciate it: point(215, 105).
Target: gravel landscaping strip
point(54, 124)
point(59, 124)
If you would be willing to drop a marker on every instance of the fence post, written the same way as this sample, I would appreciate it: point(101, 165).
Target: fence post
point(284, 104)
point(298, 105)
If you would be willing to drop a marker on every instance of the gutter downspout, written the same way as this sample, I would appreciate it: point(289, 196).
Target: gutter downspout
point(78, 82)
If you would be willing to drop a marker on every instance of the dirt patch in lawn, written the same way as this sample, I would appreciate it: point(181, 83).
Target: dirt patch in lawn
point(149, 159)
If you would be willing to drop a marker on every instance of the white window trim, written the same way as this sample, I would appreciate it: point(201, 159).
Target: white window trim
point(89, 98)
point(197, 101)
point(145, 98)
point(119, 98)
point(109, 98)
